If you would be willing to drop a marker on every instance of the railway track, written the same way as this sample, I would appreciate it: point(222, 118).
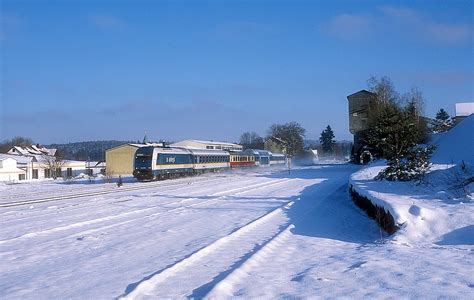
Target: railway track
point(219, 196)
point(6, 201)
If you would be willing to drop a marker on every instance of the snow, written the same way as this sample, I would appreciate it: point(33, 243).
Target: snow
point(457, 144)
point(436, 217)
point(259, 233)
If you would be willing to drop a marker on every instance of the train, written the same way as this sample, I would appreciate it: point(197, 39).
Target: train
point(159, 163)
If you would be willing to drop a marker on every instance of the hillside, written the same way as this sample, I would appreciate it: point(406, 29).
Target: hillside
point(91, 150)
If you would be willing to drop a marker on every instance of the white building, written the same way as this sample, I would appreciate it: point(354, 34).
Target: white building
point(212, 145)
point(33, 160)
point(9, 170)
point(463, 110)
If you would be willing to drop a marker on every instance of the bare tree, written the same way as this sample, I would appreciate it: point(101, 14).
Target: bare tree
point(16, 141)
point(292, 133)
point(384, 88)
point(414, 98)
point(53, 164)
point(251, 140)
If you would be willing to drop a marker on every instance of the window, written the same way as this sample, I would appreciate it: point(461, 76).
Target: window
point(47, 173)
point(35, 173)
point(69, 172)
point(21, 176)
point(58, 172)
point(209, 147)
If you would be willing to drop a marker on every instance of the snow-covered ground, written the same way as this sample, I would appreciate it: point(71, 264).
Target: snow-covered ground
point(260, 233)
point(435, 215)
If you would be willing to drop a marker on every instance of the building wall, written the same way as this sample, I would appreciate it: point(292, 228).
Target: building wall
point(273, 146)
point(9, 170)
point(359, 111)
point(119, 160)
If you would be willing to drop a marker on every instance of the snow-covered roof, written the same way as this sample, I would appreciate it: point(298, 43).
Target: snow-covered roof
point(208, 152)
point(209, 143)
point(32, 150)
point(19, 158)
point(137, 145)
point(278, 140)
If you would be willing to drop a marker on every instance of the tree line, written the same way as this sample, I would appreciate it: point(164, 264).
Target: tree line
point(292, 135)
point(82, 151)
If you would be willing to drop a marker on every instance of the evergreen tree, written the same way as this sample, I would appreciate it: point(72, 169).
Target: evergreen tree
point(395, 135)
point(327, 139)
point(443, 121)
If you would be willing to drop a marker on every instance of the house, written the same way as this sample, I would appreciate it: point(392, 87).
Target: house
point(9, 170)
point(32, 150)
point(212, 145)
point(275, 145)
point(41, 163)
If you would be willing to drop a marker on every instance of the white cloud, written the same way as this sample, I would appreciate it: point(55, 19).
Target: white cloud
point(349, 26)
point(399, 12)
point(448, 33)
point(417, 24)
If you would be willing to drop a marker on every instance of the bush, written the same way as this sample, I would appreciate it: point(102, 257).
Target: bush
point(413, 167)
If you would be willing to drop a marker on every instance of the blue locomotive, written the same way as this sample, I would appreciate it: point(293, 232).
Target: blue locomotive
point(156, 163)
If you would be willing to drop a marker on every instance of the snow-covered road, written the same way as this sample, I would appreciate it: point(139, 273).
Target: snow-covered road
point(261, 233)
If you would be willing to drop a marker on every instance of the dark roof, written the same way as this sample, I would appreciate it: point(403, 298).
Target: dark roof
point(278, 140)
point(361, 93)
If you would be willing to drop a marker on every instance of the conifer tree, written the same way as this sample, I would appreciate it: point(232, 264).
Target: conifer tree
point(443, 121)
point(395, 134)
point(327, 139)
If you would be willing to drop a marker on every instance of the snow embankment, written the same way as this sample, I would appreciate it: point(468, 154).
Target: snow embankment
point(438, 210)
point(456, 145)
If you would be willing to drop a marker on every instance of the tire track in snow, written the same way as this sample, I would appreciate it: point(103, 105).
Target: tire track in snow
point(75, 206)
point(222, 194)
point(277, 248)
point(225, 288)
point(212, 259)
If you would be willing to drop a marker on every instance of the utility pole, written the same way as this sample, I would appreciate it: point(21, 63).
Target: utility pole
point(289, 165)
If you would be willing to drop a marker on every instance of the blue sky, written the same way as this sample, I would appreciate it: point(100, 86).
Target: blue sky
point(87, 70)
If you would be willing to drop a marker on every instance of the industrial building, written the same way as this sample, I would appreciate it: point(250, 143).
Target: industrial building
point(463, 110)
point(361, 106)
point(119, 160)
